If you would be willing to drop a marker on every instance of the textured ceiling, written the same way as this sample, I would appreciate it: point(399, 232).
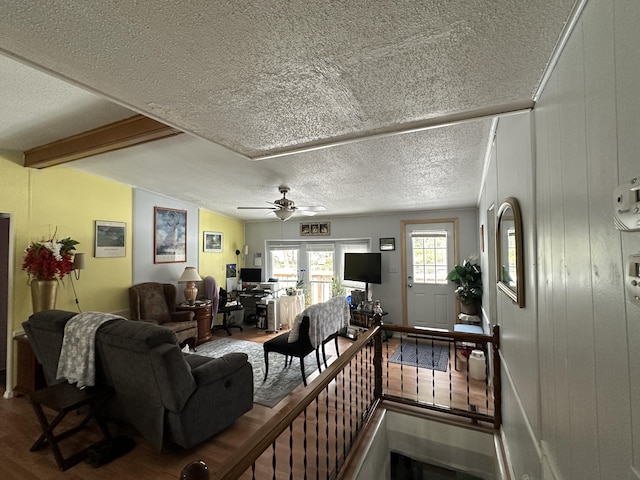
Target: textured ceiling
point(248, 81)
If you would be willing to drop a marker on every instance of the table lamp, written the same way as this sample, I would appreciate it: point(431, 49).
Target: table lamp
point(190, 275)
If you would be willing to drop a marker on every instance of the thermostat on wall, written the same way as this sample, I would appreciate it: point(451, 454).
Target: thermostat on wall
point(626, 206)
point(632, 279)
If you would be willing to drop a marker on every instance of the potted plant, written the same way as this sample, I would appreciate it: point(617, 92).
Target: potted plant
point(468, 280)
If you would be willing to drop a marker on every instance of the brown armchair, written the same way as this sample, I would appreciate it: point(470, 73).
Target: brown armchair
point(156, 303)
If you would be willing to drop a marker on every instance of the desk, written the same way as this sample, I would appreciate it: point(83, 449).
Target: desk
point(202, 315)
point(290, 306)
point(249, 299)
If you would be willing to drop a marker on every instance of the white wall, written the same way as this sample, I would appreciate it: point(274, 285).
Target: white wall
point(510, 174)
point(572, 395)
point(587, 141)
point(374, 227)
point(144, 270)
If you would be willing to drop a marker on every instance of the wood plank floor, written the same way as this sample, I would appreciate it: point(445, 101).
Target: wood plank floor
point(19, 428)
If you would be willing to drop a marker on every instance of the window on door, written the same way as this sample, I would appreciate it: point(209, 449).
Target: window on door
point(320, 259)
point(284, 265)
point(429, 256)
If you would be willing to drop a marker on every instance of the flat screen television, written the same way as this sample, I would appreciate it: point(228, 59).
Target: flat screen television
point(251, 275)
point(363, 267)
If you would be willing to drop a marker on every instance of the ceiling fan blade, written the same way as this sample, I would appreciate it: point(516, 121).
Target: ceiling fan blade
point(308, 213)
point(256, 208)
point(314, 208)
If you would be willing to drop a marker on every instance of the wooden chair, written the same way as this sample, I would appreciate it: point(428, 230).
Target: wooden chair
point(300, 348)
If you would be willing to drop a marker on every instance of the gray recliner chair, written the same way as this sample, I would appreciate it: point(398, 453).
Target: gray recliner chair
point(168, 396)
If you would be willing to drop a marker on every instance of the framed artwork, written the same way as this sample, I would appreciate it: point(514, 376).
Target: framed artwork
point(315, 229)
point(110, 239)
point(170, 235)
point(212, 241)
point(387, 244)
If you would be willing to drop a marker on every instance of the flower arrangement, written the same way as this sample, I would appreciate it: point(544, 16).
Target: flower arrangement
point(300, 282)
point(49, 260)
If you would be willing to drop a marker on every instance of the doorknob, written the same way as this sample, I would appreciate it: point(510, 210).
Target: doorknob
point(410, 283)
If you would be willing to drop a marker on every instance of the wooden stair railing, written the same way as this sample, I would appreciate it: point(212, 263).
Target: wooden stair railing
point(247, 454)
point(245, 457)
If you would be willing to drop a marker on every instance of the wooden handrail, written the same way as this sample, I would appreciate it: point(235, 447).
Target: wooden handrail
point(252, 448)
point(439, 333)
point(249, 452)
point(497, 378)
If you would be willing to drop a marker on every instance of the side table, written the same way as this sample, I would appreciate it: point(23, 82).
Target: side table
point(202, 315)
point(290, 306)
point(65, 398)
point(30, 376)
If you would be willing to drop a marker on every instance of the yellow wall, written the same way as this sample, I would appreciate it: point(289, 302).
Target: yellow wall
point(41, 201)
point(214, 264)
point(60, 197)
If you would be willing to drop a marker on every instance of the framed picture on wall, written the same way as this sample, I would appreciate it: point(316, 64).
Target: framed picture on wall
point(315, 229)
point(170, 235)
point(212, 241)
point(387, 244)
point(110, 239)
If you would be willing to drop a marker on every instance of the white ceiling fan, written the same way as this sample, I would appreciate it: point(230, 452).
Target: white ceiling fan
point(283, 208)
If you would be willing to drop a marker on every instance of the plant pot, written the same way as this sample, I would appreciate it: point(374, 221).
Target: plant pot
point(44, 294)
point(469, 308)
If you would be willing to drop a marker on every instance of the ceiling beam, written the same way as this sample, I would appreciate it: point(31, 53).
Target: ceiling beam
point(121, 134)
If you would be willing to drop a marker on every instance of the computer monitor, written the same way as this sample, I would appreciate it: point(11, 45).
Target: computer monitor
point(251, 275)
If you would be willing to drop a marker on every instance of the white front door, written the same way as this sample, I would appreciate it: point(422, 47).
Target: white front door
point(429, 256)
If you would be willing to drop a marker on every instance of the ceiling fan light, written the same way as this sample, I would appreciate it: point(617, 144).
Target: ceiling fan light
point(283, 214)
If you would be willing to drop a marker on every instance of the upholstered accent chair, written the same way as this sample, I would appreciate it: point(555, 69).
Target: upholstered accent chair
point(155, 302)
point(299, 348)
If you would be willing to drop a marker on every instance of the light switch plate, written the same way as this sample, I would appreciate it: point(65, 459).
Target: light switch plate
point(632, 278)
point(626, 206)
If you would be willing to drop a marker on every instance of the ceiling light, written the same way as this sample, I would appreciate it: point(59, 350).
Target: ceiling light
point(283, 214)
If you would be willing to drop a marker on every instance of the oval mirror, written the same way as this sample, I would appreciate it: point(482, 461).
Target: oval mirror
point(509, 254)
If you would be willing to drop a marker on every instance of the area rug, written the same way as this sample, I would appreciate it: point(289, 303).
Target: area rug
point(423, 354)
point(280, 382)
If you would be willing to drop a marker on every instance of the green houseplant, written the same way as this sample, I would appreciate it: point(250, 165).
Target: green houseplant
point(468, 280)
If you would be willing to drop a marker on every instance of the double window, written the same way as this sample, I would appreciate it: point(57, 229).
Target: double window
point(316, 267)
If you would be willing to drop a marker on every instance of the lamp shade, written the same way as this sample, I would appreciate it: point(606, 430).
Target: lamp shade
point(283, 214)
point(190, 275)
point(78, 261)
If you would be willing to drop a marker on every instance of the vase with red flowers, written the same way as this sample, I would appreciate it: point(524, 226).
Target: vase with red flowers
point(47, 262)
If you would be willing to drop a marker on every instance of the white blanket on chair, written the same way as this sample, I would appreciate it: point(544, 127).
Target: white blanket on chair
point(325, 319)
point(77, 356)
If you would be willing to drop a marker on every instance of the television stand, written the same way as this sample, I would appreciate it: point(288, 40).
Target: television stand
point(360, 320)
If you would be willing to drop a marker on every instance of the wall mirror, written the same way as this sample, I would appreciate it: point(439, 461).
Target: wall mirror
point(509, 253)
